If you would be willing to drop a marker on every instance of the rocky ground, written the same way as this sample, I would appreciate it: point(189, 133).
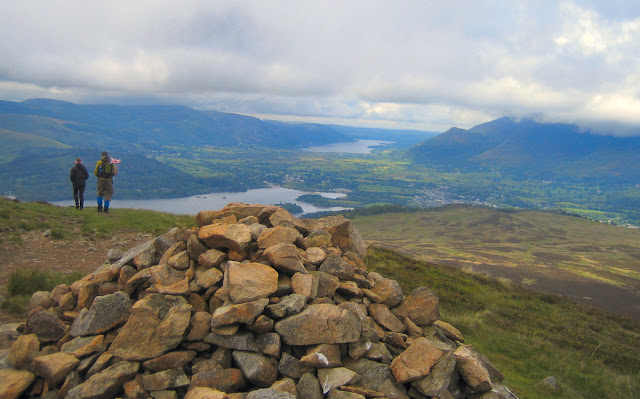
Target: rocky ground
point(67, 255)
point(253, 304)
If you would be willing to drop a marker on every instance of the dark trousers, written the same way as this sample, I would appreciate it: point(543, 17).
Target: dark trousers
point(78, 195)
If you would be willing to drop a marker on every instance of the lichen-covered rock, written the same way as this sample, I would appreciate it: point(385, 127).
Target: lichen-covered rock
point(318, 324)
point(472, 370)
point(106, 383)
point(336, 266)
point(54, 367)
point(389, 291)
point(244, 313)
point(436, 382)
point(14, 382)
point(248, 282)
point(383, 316)
point(278, 235)
point(235, 237)
point(259, 369)
point(156, 325)
point(107, 312)
point(47, 326)
point(84, 346)
point(170, 360)
point(205, 393)
point(285, 257)
point(23, 350)
point(416, 361)
point(226, 380)
point(421, 306)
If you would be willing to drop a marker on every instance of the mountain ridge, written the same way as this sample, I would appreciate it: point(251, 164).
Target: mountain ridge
point(147, 126)
point(530, 147)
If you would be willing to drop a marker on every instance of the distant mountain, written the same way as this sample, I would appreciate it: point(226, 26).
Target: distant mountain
point(532, 148)
point(117, 126)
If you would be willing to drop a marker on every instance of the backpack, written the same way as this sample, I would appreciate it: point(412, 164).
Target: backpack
point(105, 171)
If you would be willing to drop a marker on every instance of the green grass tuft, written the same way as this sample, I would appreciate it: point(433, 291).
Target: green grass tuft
point(23, 283)
point(28, 281)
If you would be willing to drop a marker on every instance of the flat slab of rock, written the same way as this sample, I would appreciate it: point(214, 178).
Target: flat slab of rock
point(320, 324)
point(14, 382)
point(235, 237)
point(243, 313)
point(421, 306)
point(156, 325)
point(106, 383)
point(416, 361)
point(285, 257)
point(47, 326)
point(106, 312)
point(472, 370)
point(23, 350)
point(54, 367)
point(258, 368)
point(250, 281)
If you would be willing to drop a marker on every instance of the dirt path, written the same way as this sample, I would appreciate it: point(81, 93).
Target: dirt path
point(68, 255)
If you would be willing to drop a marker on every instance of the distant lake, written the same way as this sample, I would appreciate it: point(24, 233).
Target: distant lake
point(215, 201)
point(357, 147)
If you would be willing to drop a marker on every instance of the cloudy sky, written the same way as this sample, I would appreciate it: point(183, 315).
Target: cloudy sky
point(420, 64)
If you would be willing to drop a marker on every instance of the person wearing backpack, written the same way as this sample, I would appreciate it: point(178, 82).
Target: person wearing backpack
point(79, 176)
point(104, 171)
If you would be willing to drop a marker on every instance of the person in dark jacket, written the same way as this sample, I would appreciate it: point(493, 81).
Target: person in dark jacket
point(79, 176)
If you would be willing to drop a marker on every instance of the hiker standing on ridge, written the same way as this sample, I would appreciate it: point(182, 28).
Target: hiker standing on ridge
point(79, 176)
point(104, 171)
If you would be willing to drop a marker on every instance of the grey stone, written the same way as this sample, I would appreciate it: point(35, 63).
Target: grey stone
point(336, 266)
point(260, 370)
point(320, 324)
point(243, 341)
point(47, 326)
point(105, 384)
point(107, 312)
point(308, 387)
point(166, 379)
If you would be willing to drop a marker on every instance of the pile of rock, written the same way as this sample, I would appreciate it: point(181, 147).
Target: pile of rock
point(254, 303)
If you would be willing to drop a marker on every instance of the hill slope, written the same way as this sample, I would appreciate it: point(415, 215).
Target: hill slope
point(529, 336)
point(533, 149)
point(586, 261)
point(154, 125)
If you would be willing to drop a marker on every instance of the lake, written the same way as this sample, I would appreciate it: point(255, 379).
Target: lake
point(215, 201)
point(357, 147)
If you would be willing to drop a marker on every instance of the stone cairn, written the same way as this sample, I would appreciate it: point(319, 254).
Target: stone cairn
point(255, 304)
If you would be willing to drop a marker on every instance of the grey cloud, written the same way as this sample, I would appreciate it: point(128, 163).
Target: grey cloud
point(428, 64)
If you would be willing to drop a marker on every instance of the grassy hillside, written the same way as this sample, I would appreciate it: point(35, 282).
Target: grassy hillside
point(587, 261)
point(14, 142)
point(68, 223)
point(528, 335)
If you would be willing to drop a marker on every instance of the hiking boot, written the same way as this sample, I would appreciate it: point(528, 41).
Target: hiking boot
point(99, 208)
point(106, 210)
